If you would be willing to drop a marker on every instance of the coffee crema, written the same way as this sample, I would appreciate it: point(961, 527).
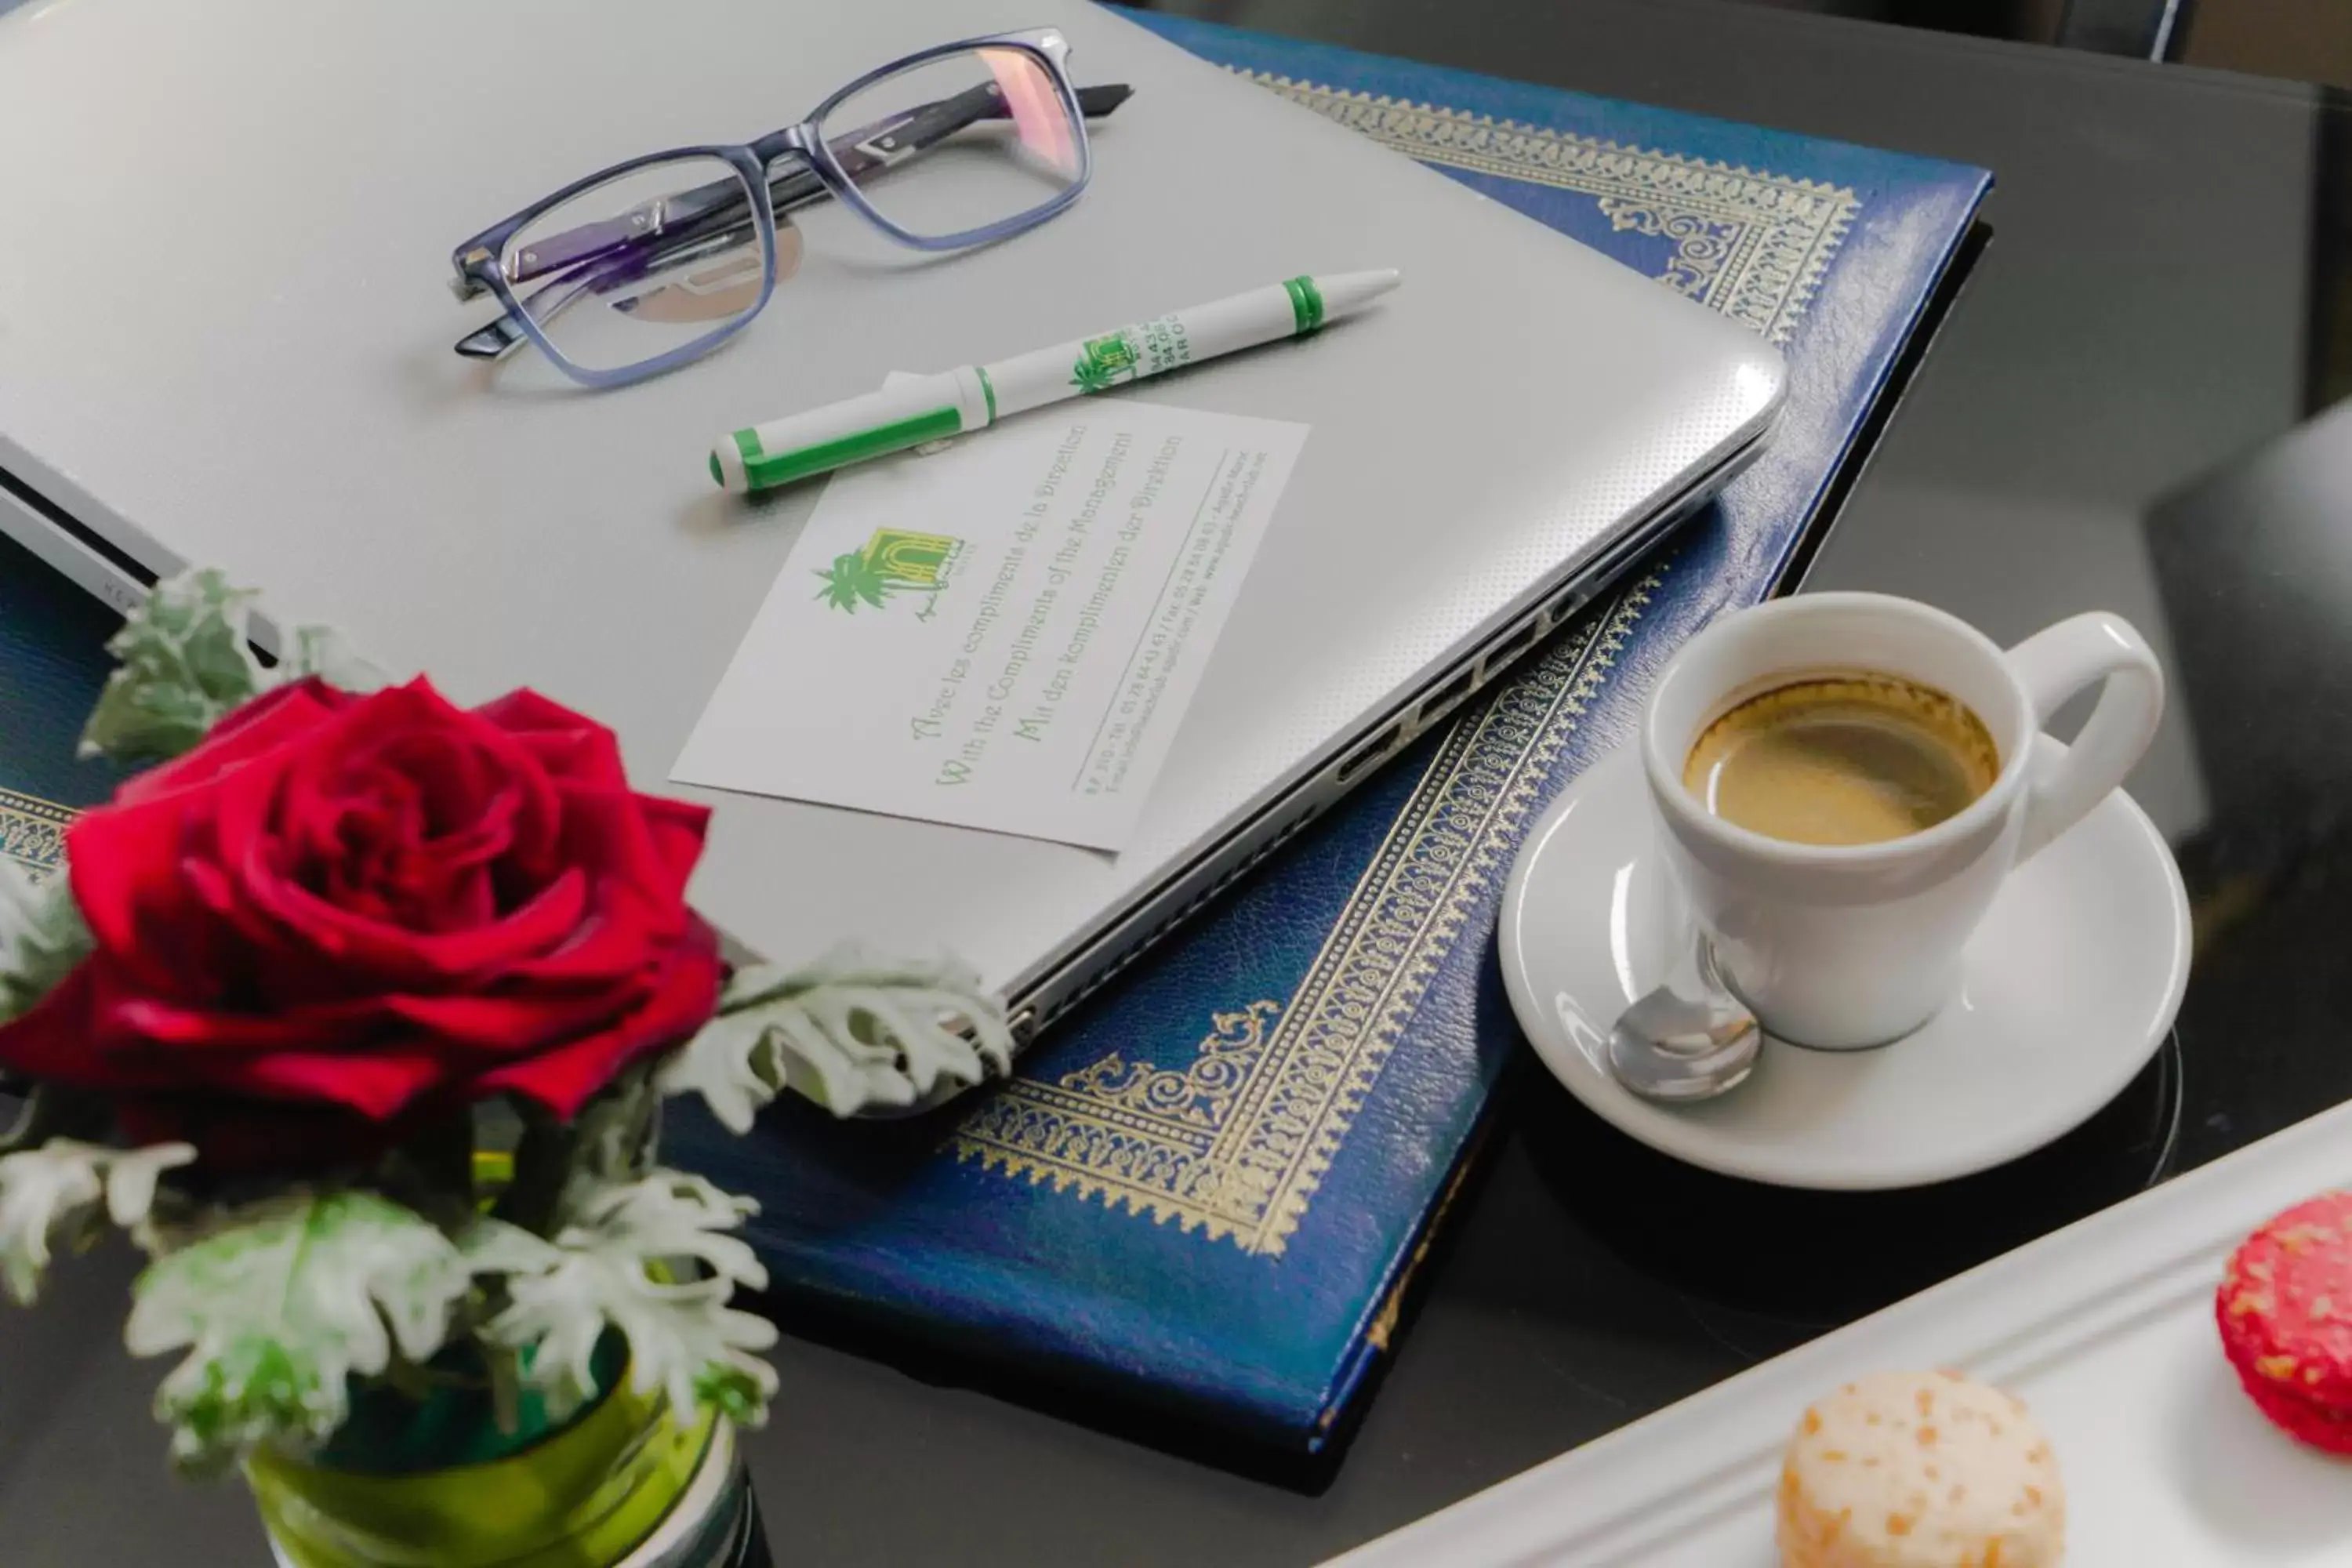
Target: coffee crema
point(1842, 759)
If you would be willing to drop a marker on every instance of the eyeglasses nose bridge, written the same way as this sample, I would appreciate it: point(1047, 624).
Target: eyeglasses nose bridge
point(794, 139)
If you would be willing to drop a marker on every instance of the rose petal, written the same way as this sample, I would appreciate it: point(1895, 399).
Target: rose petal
point(571, 746)
point(678, 828)
point(607, 830)
point(563, 1079)
point(505, 1026)
point(386, 958)
point(253, 729)
point(523, 712)
point(378, 1083)
point(204, 1043)
point(124, 863)
point(516, 764)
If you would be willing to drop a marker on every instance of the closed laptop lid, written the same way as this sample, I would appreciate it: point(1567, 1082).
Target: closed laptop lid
point(224, 331)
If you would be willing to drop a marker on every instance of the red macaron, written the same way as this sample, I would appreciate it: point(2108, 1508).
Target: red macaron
point(2285, 1313)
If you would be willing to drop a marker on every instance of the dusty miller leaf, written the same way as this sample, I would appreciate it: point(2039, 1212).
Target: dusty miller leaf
point(132, 1176)
point(56, 1195)
point(609, 1265)
point(850, 1031)
point(322, 651)
point(184, 658)
point(41, 937)
point(282, 1305)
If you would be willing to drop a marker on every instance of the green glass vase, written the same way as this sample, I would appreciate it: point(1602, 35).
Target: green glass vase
point(628, 1481)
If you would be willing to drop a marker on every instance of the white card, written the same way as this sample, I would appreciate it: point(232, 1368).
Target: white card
point(1004, 635)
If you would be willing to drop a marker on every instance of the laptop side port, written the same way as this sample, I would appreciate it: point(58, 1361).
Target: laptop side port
point(1514, 643)
point(1434, 705)
point(1370, 752)
point(1566, 604)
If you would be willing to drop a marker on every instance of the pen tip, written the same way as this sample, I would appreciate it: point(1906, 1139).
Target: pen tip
point(716, 477)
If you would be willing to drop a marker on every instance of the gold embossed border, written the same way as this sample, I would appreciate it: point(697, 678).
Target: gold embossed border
point(1236, 1143)
point(1749, 243)
point(32, 831)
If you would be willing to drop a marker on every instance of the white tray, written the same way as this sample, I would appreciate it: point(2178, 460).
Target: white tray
point(2104, 1328)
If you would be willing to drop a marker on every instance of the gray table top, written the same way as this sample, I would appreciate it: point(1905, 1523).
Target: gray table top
point(2164, 293)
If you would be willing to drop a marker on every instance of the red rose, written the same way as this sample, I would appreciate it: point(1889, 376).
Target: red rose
point(364, 906)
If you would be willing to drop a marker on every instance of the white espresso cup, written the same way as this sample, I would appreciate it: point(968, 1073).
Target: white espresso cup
point(1843, 946)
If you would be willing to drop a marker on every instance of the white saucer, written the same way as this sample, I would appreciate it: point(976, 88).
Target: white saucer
point(2068, 989)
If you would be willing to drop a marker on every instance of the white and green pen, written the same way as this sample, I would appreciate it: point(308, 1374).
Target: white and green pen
point(914, 409)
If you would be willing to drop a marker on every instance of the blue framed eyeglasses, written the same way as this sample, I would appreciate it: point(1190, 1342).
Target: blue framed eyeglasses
point(651, 263)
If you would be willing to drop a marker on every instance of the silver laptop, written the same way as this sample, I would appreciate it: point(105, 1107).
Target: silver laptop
point(224, 338)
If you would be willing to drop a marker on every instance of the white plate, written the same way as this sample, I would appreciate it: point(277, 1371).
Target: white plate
point(2068, 988)
point(2104, 1328)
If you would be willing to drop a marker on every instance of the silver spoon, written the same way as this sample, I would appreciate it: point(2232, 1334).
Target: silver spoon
point(1682, 1043)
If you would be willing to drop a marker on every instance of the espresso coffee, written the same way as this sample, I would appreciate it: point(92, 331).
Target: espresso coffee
point(1842, 759)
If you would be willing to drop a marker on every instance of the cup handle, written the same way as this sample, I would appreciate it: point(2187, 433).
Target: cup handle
point(2053, 665)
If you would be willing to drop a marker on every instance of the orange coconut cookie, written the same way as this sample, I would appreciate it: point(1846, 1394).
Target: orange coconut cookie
point(1921, 1469)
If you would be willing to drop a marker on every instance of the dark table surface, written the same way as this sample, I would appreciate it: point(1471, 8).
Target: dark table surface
point(2165, 293)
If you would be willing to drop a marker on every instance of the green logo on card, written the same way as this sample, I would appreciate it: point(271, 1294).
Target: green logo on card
point(893, 562)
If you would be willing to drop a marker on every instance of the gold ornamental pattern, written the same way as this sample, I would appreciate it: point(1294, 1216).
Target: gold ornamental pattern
point(1234, 1145)
point(1748, 244)
point(32, 832)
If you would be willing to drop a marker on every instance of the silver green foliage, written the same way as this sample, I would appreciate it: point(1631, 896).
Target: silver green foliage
point(278, 1307)
point(652, 1259)
point(61, 1194)
point(281, 1304)
point(42, 937)
point(323, 652)
point(184, 659)
point(851, 1031)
